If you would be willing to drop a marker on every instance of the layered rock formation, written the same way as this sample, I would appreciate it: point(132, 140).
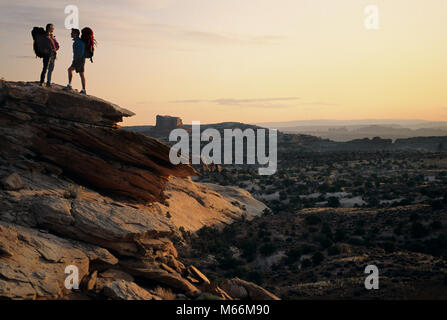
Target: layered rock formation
point(75, 133)
point(77, 191)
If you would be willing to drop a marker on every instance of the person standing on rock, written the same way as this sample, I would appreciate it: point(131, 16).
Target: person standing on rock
point(48, 59)
point(78, 59)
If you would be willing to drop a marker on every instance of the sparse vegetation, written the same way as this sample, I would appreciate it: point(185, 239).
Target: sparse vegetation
point(164, 293)
point(73, 191)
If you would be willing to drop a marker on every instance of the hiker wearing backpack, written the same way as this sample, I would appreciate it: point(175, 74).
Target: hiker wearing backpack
point(83, 48)
point(78, 59)
point(45, 46)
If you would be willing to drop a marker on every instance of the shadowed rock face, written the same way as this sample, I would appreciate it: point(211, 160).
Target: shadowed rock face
point(78, 133)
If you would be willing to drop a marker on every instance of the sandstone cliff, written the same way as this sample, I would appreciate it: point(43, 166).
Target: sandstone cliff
point(77, 190)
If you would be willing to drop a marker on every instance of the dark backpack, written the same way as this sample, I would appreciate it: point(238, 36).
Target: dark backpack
point(41, 44)
point(90, 43)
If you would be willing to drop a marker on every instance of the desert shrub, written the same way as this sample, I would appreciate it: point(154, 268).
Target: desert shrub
point(388, 246)
point(436, 225)
point(227, 262)
point(333, 250)
point(399, 229)
point(326, 229)
point(344, 248)
point(359, 231)
point(73, 191)
point(255, 276)
point(306, 249)
point(333, 202)
point(325, 242)
point(267, 249)
point(249, 248)
point(164, 293)
point(267, 212)
point(418, 230)
point(306, 263)
point(437, 204)
point(317, 258)
point(313, 229)
point(208, 296)
point(355, 241)
point(293, 255)
point(437, 246)
point(340, 235)
point(313, 220)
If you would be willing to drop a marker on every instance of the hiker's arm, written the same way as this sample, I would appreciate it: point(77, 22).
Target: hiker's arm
point(56, 44)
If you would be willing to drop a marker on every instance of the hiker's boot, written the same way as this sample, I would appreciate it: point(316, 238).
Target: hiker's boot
point(68, 87)
point(48, 85)
point(83, 91)
point(41, 84)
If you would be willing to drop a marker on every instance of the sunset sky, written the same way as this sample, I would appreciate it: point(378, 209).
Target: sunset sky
point(246, 60)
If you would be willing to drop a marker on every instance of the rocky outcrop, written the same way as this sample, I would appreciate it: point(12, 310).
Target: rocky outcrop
point(210, 203)
point(12, 182)
point(76, 133)
point(167, 123)
point(76, 190)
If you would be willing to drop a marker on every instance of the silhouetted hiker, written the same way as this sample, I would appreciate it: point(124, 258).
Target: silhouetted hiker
point(49, 47)
point(78, 59)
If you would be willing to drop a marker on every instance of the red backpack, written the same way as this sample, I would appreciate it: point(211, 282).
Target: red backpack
point(90, 43)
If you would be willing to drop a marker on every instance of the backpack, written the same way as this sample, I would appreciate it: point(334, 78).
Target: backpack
point(40, 43)
point(90, 43)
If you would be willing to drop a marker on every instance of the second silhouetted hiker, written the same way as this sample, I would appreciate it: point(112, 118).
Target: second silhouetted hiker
point(78, 59)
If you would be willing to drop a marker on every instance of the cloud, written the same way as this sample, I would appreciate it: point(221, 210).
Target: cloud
point(260, 102)
point(318, 103)
point(254, 103)
point(187, 34)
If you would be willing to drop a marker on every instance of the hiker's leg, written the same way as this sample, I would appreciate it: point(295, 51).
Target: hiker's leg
point(82, 75)
point(50, 68)
point(70, 75)
point(44, 69)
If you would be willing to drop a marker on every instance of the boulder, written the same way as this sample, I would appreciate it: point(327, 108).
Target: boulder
point(216, 291)
point(197, 274)
point(241, 289)
point(210, 203)
point(126, 230)
point(124, 290)
point(12, 182)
